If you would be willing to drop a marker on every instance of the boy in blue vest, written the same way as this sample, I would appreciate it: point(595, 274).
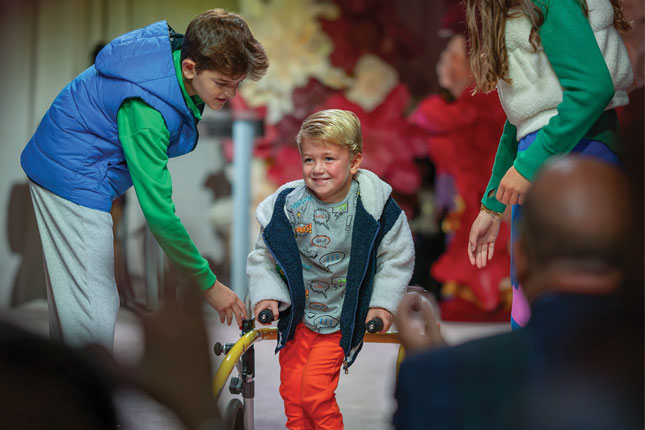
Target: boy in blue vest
point(334, 251)
point(116, 125)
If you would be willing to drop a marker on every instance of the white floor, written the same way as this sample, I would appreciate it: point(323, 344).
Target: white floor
point(364, 395)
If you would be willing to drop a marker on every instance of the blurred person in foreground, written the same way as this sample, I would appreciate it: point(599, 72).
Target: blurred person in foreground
point(174, 370)
point(579, 361)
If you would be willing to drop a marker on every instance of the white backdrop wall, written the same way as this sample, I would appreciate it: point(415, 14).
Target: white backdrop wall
point(46, 43)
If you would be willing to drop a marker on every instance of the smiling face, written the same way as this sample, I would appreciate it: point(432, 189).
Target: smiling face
point(328, 169)
point(212, 87)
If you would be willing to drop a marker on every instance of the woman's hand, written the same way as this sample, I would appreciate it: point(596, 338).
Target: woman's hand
point(483, 234)
point(512, 188)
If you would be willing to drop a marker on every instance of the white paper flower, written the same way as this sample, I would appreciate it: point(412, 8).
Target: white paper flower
point(297, 48)
point(373, 81)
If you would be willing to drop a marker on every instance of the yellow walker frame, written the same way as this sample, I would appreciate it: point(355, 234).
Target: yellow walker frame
point(238, 415)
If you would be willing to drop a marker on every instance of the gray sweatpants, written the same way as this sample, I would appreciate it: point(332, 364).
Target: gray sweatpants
point(79, 269)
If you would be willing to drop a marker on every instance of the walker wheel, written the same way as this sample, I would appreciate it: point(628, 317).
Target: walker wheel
point(234, 415)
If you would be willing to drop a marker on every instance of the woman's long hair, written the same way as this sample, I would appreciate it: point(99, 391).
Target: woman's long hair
point(486, 21)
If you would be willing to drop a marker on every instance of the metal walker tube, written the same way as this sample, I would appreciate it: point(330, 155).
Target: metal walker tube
point(245, 345)
point(232, 357)
point(258, 334)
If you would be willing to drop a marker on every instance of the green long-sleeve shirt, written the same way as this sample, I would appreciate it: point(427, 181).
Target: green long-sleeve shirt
point(145, 139)
point(571, 48)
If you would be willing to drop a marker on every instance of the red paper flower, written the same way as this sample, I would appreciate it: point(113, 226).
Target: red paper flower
point(370, 27)
point(390, 143)
point(285, 166)
point(462, 141)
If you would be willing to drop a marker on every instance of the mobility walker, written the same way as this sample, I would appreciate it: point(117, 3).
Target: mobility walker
point(239, 415)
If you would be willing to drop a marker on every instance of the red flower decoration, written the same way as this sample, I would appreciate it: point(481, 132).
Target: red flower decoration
point(462, 141)
point(370, 27)
point(390, 143)
point(285, 166)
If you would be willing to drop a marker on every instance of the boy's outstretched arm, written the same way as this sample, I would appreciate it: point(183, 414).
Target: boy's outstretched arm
point(145, 139)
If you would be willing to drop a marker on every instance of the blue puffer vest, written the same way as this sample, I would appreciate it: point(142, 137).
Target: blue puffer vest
point(75, 152)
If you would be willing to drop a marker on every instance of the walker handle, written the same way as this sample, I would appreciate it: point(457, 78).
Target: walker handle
point(265, 316)
point(374, 325)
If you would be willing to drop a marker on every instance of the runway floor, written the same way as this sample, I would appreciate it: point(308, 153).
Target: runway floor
point(365, 395)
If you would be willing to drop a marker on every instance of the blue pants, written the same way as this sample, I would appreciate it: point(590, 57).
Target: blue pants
point(521, 311)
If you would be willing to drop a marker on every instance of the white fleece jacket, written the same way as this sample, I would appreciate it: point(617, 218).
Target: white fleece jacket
point(395, 255)
point(532, 96)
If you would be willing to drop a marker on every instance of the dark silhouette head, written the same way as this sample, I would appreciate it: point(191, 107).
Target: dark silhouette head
point(575, 231)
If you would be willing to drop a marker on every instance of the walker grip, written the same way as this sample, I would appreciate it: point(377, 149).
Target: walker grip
point(374, 325)
point(265, 316)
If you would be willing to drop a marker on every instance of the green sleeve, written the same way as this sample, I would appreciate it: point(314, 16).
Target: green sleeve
point(145, 138)
point(506, 153)
point(570, 45)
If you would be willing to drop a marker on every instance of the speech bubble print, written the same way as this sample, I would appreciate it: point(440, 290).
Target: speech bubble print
point(302, 229)
point(300, 202)
point(319, 287)
point(331, 258)
point(320, 241)
point(340, 210)
point(310, 253)
point(321, 217)
point(317, 306)
point(326, 321)
point(338, 283)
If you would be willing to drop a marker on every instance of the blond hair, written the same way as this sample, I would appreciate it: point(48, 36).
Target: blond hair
point(341, 127)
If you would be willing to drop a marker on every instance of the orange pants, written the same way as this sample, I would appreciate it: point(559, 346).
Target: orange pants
point(309, 370)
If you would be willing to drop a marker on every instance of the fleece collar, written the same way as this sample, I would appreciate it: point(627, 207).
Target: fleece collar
point(374, 191)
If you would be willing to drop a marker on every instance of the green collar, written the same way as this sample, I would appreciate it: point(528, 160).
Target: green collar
point(194, 103)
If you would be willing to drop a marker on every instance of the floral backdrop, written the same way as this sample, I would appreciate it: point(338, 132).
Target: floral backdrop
point(356, 55)
point(340, 54)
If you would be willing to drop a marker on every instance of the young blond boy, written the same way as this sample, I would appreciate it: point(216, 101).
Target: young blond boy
point(334, 251)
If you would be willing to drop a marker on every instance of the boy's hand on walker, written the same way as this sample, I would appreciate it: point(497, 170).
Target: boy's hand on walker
point(417, 325)
point(483, 234)
point(512, 188)
point(381, 313)
point(267, 304)
point(226, 303)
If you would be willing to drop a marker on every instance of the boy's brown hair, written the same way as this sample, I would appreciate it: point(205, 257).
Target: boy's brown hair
point(222, 41)
point(341, 127)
